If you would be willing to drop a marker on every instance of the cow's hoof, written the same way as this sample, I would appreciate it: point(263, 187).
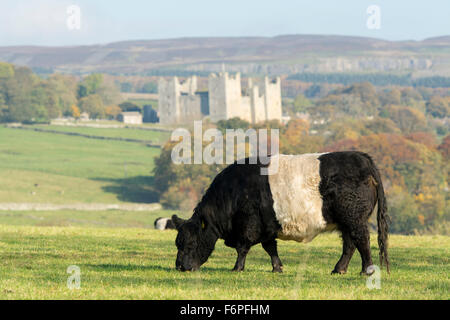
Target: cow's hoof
point(338, 271)
point(277, 269)
point(237, 270)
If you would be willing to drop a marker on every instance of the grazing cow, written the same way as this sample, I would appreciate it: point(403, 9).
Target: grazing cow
point(308, 194)
point(164, 224)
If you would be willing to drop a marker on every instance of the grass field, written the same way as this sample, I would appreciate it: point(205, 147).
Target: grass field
point(74, 218)
point(138, 263)
point(121, 256)
point(52, 168)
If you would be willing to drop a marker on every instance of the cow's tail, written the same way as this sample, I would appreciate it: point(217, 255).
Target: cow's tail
point(382, 219)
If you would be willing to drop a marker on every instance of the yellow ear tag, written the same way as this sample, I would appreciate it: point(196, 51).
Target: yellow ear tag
point(203, 225)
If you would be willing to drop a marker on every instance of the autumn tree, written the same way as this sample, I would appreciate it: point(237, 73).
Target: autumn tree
point(112, 111)
point(438, 107)
point(393, 96)
point(75, 111)
point(444, 147)
point(181, 186)
point(93, 105)
point(408, 119)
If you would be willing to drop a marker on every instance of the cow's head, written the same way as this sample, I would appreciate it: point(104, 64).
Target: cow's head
point(193, 243)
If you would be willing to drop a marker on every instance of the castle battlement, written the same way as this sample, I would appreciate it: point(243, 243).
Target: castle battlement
point(179, 102)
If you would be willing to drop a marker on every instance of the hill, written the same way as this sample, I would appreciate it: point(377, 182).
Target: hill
point(287, 54)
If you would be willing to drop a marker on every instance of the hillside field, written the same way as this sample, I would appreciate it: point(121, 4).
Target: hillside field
point(52, 168)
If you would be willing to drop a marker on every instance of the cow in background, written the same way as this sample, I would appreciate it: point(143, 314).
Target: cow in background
point(164, 224)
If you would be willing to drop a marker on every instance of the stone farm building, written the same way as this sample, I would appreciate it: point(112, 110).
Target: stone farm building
point(130, 117)
point(180, 102)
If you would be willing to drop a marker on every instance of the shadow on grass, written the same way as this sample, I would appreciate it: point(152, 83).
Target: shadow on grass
point(138, 189)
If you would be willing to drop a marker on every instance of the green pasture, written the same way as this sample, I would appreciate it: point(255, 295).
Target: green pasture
point(138, 263)
point(52, 168)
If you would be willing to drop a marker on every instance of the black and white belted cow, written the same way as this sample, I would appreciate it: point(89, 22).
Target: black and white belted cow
point(303, 196)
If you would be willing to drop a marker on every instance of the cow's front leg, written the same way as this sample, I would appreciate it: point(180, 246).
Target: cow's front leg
point(242, 254)
point(348, 248)
point(271, 249)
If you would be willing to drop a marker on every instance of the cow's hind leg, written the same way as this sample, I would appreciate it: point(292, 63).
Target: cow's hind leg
point(348, 248)
point(242, 254)
point(271, 248)
point(360, 236)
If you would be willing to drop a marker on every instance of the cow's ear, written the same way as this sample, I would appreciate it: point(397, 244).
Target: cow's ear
point(178, 222)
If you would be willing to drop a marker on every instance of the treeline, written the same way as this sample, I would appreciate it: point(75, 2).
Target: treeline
point(147, 87)
point(412, 109)
point(25, 97)
point(378, 79)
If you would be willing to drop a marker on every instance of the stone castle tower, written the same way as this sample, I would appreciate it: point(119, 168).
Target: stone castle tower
point(225, 99)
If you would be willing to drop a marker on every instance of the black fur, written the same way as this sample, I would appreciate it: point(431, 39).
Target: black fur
point(170, 224)
point(238, 207)
point(350, 188)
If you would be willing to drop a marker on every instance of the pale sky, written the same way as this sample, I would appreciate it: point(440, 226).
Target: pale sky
point(44, 22)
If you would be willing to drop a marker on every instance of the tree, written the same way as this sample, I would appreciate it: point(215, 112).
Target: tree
point(438, 107)
point(63, 88)
point(23, 96)
point(408, 119)
point(380, 125)
point(301, 103)
point(393, 96)
point(181, 186)
point(112, 112)
point(90, 85)
point(444, 147)
point(75, 112)
point(366, 92)
point(404, 213)
point(149, 87)
point(129, 106)
point(424, 138)
point(109, 92)
point(93, 105)
point(126, 87)
point(295, 138)
point(356, 100)
point(410, 97)
point(233, 123)
point(6, 70)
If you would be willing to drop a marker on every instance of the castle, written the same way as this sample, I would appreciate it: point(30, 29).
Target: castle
point(180, 102)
